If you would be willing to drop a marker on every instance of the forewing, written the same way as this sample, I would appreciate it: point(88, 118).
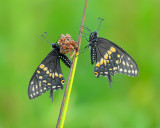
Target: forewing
point(48, 76)
point(112, 59)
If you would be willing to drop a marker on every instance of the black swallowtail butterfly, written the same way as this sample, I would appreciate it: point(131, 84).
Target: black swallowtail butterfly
point(110, 58)
point(48, 75)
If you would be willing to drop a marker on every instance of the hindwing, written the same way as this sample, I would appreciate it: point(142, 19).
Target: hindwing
point(48, 76)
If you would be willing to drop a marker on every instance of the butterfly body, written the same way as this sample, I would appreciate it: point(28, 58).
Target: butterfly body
point(48, 75)
point(110, 58)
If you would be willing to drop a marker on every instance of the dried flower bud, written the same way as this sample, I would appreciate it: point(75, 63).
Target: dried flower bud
point(67, 45)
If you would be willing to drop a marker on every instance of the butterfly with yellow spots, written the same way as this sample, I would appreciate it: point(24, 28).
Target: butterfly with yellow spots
point(48, 75)
point(110, 58)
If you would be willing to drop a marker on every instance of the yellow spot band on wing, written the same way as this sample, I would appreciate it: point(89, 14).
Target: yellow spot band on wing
point(47, 72)
point(45, 69)
point(113, 49)
point(38, 71)
point(115, 68)
point(60, 75)
point(117, 61)
point(118, 56)
point(40, 77)
point(53, 75)
point(56, 74)
point(105, 62)
point(49, 84)
point(106, 56)
point(44, 81)
point(41, 66)
point(109, 52)
point(101, 62)
point(97, 65)
point(50, 74)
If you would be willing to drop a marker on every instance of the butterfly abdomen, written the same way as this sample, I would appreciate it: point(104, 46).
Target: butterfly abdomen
point(65, 60)
point(93, 54)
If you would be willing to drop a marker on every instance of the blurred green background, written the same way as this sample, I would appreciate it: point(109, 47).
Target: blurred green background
point(129, 103)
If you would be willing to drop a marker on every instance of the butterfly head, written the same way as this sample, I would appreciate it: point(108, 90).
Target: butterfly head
point(55, 46)
point(93, 36)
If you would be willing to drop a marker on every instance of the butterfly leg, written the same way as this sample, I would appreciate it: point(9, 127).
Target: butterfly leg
point(85, 38)
point(84, 33)
point(87, 29)
point(83, 50)
point(51, 94)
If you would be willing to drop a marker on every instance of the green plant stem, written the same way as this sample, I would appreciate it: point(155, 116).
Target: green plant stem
point(68, 89)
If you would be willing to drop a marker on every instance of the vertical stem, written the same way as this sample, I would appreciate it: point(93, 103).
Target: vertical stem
point(68, 89)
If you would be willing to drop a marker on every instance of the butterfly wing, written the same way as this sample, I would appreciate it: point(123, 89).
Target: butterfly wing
point(112, 59)
point(48, 76)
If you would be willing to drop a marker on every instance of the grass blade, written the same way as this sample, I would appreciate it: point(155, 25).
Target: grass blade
point(68, 88)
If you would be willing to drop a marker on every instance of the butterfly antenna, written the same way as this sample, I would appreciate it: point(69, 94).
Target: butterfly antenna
point(85, 38)
point(100, 21)
point(87, 29)
point(46, 38)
